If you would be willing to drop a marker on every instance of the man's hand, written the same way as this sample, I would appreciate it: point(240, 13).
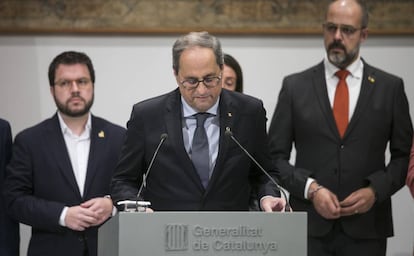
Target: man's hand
point(272, 204)
point(325, 202)
point(79, 218)
point(90, 213)
point(102, 208)
point(359, 201)
point(149, 210)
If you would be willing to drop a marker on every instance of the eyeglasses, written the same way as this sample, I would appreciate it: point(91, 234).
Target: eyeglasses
point(346, 30)
point(209, 82)
point(67, 84)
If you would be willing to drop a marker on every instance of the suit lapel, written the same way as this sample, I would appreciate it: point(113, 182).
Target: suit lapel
point(173, 119)
point(97, 147)
point(367, 86)
point(173, 122)
point(319, 84)
point(55, 142)
point(228, 114)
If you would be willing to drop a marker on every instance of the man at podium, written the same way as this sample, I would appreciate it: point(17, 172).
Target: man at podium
point(197, 145)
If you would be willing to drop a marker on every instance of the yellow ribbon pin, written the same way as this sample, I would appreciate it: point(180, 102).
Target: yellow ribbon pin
point(371, 79)
point(101, 134)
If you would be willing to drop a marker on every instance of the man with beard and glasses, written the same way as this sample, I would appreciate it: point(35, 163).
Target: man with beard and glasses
point(341, 128)
point(61, 168)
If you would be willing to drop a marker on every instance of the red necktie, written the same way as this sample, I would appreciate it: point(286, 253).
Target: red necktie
point(341, 102)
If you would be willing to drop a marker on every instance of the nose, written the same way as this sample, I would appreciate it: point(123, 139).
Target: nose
point(201, 88)
point(74, 86)
point(338, 33)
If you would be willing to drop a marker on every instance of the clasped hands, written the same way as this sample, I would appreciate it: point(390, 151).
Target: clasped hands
point(328, 206)
point(90, 213)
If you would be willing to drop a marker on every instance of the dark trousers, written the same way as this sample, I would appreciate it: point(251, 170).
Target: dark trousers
point(85, 252)
point(337, 243)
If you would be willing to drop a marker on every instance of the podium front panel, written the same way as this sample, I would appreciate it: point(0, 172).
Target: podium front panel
point(204, 234)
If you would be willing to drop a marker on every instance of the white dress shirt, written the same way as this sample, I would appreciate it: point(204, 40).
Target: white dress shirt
point(78, 149)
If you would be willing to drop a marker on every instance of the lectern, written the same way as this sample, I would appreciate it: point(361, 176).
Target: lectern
point(204, 234)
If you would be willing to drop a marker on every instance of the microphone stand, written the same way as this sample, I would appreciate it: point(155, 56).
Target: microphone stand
point(287, 206)
point(142, 205)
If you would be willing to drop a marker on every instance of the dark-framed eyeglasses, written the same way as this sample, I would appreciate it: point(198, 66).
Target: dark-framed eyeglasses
point(67, 84)
point(346, 30)
point(209, 82)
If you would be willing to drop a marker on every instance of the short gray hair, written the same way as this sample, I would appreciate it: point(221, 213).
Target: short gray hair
point(193, 39)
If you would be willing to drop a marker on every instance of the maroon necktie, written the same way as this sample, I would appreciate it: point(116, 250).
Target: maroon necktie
point(341, 102)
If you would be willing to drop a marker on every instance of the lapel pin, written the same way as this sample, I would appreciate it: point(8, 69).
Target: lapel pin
point(101, 134)
point(228, 129)
point(371, 79)
point(229, 114)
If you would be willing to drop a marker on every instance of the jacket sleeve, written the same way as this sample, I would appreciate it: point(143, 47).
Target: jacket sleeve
point(410, 174)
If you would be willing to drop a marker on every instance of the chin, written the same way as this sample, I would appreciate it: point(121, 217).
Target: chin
point(336, 59)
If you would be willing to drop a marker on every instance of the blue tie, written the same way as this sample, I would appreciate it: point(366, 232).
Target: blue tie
point(200, 149)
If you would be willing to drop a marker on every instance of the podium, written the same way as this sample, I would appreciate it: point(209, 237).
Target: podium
point(204, 234)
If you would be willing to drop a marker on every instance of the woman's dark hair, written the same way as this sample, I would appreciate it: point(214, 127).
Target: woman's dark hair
point(232, 62)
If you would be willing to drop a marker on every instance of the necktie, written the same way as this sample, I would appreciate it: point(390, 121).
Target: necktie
point(341, 102)
point(200, 149)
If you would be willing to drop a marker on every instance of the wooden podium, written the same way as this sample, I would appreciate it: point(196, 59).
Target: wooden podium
point(204, 234)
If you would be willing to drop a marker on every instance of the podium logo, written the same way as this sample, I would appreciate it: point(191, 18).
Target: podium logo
point(176, 237)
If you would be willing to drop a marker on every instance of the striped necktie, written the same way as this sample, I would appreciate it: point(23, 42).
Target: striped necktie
point(200, 149)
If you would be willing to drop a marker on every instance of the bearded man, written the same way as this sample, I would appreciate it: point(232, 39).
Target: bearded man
point(61, 168)
point(341, 115)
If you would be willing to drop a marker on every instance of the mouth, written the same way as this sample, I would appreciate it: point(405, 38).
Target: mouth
point(75, 100)
point(336, 48)
point(202, 97)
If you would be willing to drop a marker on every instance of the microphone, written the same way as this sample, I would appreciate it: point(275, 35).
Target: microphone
point(140, 205)
point(229, 133)
point(163, 137)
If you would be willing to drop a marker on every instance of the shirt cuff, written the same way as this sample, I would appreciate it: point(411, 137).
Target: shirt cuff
point(307, 185)
point(114, 209)
point(63, 216)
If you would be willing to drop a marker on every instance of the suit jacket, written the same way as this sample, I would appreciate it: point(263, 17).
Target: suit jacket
point(304, 117)
point(410, 174)
point(173, 182)
point(41, 183)
point(9, 228)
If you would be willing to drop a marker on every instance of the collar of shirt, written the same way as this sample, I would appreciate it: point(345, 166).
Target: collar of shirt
point(354, 81)
point(188, 111)
point(212, 130)
point(355, 69)
point(67, 131)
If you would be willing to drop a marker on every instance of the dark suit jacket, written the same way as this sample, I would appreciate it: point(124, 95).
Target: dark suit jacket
point(304, 116)
point(410, 174)
point(9, 229)
point(173, 183)
point(42, 182)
